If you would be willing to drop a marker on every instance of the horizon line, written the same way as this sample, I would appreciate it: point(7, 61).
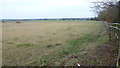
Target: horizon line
point(46, 18)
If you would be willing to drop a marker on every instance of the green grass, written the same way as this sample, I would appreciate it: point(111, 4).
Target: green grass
point(80, 42)
point(86, 38)
point(72, 48)
point(15, 38)
point(10, 43)
point(103, 39)
point(24, 44)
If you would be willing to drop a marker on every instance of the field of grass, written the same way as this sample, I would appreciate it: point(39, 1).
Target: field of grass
point(0, 44)
point(51, 43)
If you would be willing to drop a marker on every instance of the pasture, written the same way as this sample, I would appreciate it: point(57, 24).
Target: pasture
point(0, 44)
point(56, 43)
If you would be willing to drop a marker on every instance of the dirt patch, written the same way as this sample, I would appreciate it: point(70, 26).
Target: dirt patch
point(94, 55)
point(105, 55)
point(57, 44)
point(50, 45)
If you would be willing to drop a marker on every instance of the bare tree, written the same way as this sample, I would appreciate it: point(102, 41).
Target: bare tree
point(107, 10)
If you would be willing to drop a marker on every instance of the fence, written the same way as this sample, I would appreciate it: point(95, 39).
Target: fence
point(114, 28)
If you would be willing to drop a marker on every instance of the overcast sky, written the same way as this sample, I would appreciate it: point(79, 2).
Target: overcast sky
point(45, 9)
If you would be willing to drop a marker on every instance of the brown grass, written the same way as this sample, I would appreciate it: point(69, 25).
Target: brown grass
point(44, 37)
point(0, 44)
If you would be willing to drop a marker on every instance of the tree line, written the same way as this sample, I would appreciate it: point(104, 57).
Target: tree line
point(108, 10)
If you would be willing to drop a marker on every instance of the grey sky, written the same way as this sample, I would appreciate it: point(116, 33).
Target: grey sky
point(45, 8)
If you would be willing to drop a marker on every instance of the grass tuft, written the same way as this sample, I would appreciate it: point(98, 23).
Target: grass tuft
point(48, 46)
point(24, 44)
point(15, 38)
point(103, 39)
point(43, 62)
point(10, 43)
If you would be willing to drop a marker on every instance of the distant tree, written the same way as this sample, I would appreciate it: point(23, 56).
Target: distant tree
point(3, 21)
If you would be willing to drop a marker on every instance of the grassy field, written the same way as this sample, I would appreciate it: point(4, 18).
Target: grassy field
point(52, 43)
point(0, 44)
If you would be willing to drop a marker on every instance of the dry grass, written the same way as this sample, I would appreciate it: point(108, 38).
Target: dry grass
point(0, 43)
point(46, 38)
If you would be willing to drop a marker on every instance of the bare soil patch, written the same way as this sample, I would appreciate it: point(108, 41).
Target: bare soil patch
point(103, 55)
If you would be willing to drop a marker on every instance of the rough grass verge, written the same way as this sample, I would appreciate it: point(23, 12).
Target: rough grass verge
point(103, 39)
point(72, 47)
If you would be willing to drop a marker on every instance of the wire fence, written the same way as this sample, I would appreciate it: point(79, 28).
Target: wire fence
point(114, 28)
